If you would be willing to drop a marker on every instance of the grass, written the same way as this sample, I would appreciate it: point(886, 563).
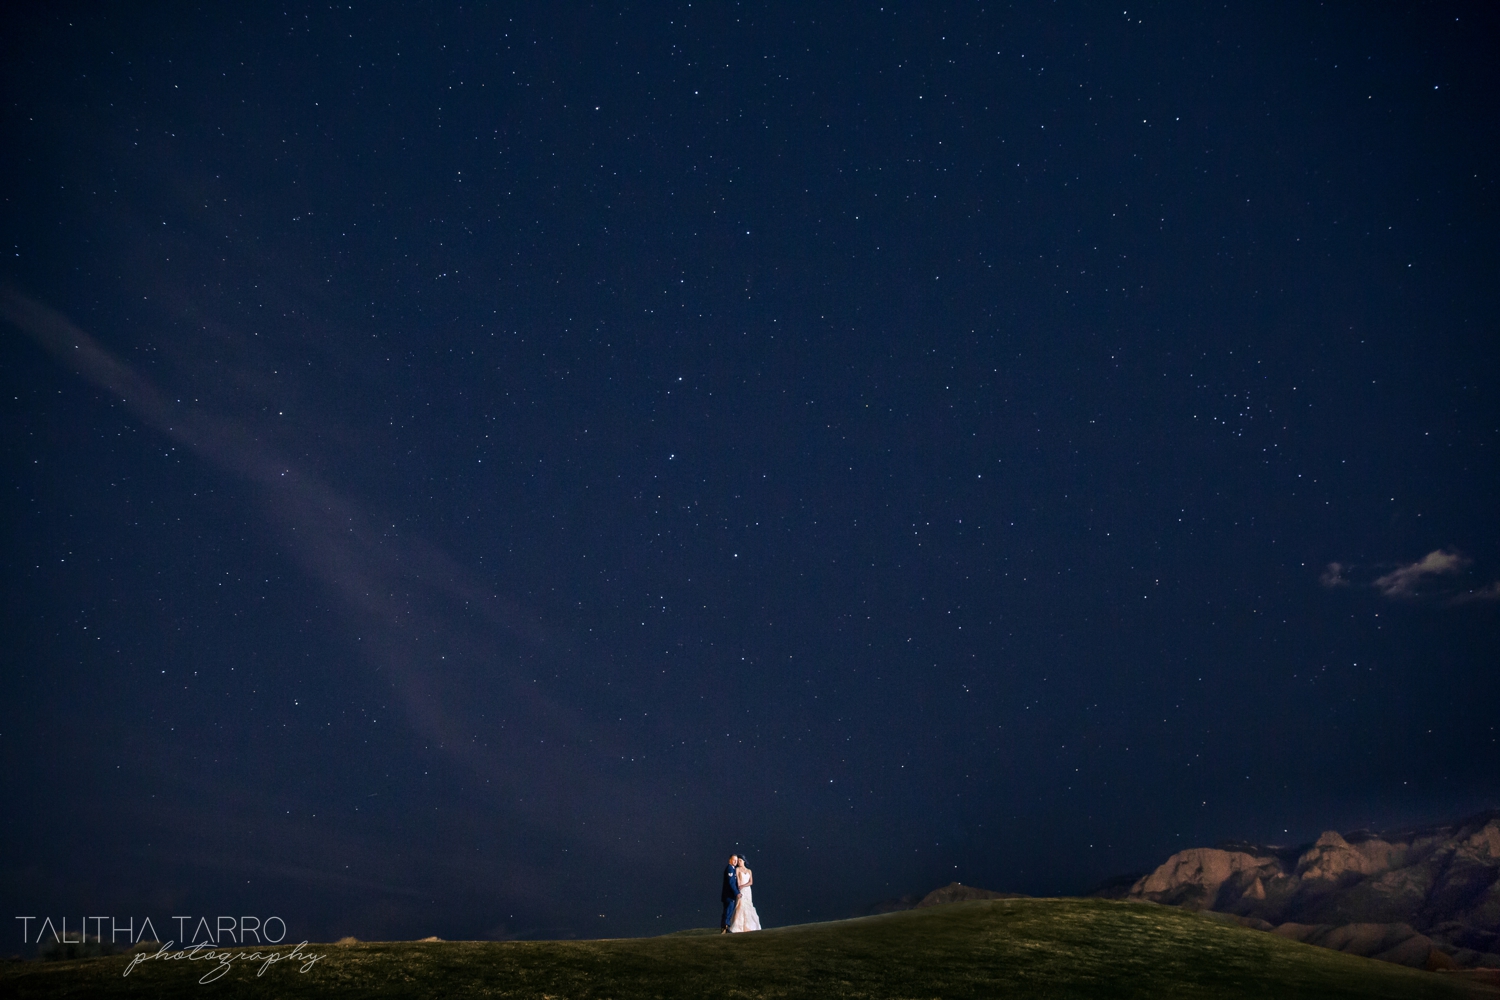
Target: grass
point(1053, 948)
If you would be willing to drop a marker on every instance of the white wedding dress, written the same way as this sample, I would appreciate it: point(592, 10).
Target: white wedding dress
point(745, 917)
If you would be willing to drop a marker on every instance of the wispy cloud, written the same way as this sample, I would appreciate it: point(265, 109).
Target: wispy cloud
point(1334, 575)
point(1442, 576)
point(1490, 593)
point(403, 594)
point(1408, 580)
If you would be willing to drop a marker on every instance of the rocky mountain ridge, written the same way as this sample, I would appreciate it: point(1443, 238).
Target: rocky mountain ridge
point(1428, 897)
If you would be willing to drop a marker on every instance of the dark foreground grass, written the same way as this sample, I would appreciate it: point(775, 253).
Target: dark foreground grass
point(987, 948)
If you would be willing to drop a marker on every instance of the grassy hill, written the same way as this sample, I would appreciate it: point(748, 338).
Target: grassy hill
point(1050, 948)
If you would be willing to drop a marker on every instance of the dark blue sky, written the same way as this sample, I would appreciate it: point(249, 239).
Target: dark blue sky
point(468, 470)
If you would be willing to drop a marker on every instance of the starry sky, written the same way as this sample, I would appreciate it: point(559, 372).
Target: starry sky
point(469, 468)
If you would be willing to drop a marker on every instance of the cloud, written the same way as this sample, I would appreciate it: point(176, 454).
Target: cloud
point(1333, 575)
point(395, 589)
point(462, 659)
point(1404, 581)
point(1490, 593)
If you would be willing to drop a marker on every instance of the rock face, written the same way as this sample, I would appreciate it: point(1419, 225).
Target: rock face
point(1198, 878)
point(1428, 898)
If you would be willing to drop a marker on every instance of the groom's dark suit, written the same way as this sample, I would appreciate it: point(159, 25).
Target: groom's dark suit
point(729, 895)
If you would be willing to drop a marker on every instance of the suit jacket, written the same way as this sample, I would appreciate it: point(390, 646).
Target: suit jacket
point(731, 888)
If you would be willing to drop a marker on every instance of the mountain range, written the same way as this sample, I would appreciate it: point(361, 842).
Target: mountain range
point(1427, 897)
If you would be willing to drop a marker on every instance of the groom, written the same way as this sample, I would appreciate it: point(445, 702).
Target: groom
point(729, 895)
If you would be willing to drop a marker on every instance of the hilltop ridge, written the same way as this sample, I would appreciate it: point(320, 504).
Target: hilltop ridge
point(1060, 949)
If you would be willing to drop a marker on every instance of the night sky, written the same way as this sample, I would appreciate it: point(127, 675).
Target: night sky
point(467, 470)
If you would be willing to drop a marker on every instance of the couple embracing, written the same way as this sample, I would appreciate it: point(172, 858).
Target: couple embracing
point(739, 909)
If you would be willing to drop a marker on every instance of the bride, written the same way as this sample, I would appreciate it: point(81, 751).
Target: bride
point(745, 917)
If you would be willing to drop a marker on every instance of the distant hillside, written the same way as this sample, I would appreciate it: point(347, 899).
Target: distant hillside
point(957, 892)
point(953, 892)
point(1059, 949)
point(1426, 897)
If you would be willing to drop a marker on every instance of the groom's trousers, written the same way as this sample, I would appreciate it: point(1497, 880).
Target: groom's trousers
point(729, 907)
